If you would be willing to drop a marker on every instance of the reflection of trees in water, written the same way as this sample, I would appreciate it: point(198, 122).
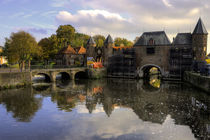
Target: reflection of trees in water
point(67, 101)
point(21, 103)
point(152, 83)
point(183, 103)
point(174, 99)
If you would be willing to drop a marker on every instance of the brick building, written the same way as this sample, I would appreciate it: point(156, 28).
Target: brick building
point(152, 50)
point(181, 55)
point(188, 51)
point(69, 56)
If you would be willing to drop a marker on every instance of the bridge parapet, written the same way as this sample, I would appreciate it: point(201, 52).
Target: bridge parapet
point(52, 73)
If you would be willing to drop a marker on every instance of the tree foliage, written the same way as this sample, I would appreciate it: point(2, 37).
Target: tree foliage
point(80, 40)
point(65, 35)
point(50, 47)
point(21, 47)
point(99, 39)
point(122, 42)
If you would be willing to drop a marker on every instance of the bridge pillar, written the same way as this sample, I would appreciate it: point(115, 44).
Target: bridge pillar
point(53, 76)
point(72, 74)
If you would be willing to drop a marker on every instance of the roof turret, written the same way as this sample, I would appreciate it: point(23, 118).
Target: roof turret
point(200, 28)
point(91, 41)
point(109, 40)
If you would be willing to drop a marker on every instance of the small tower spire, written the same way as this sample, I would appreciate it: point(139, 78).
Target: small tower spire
point(91, 41)
point(199, 41)
point(200, 28)
point(108, 40)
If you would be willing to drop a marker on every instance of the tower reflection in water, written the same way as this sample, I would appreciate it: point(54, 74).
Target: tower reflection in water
point(152, 101)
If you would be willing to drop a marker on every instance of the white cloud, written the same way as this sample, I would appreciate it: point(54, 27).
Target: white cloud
point(194, 12)
point(166, 3)
point(123, 123)
point(97, 21)
point(131, 18)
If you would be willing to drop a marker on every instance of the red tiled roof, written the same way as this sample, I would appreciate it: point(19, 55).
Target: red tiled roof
point(68, 50)
point(82, 50)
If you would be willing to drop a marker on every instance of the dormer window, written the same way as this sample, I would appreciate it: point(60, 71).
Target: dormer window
point(151, 42)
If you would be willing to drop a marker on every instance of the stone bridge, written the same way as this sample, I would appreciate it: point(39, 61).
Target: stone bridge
point(66, 73)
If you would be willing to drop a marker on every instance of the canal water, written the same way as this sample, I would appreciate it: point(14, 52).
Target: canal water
point(107, 109)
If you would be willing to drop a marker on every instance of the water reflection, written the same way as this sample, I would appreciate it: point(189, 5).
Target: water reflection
point(159, 108)
point(21, 103)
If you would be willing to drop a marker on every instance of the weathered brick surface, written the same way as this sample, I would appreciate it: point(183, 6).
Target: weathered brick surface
point(159, 58)
point(199, 44)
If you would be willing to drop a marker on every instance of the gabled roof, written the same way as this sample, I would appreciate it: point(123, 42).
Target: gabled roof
point(91, 41)
point(183, 39)
point(159, 37)
point(108, 40)
point(68, 50)
point(82, 50)
point(200, 28)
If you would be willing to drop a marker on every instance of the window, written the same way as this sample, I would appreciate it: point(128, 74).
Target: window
point(204, 49)
point(151, 50)
point(151, 42)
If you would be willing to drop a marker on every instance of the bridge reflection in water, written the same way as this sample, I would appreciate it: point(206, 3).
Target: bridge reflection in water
point(134, 110)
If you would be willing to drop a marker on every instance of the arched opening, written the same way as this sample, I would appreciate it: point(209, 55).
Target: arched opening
point(63, 76)
point(62, 79)
point(151, 70)
point(80, 75)
point(41, 77)
point(152, 76)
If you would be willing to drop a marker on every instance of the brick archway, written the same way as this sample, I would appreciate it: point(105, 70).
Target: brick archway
point(141, 70)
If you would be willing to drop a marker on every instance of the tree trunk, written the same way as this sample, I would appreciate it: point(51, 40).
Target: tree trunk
point(29, 65)
point(23, 65)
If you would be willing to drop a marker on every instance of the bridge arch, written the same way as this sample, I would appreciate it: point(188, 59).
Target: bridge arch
point(144, 70)
point(63, 76)
point(81, 75)
point(38, 76)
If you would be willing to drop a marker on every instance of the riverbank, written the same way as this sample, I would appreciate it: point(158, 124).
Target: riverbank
point(10, 80)
point(197, 80)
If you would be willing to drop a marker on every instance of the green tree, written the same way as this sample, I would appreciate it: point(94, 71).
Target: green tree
point(50, 47)
point(20, 48)
point(122, 41)
point(80, 40)
point(99, 39)
point(65, 35)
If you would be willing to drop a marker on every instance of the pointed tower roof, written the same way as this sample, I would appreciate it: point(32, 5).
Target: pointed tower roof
point(200, 28)
point(91, 41)
point(82, 50)
point(108, 40)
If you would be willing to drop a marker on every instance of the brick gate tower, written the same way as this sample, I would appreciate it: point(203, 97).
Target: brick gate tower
point(107, 50)
point(91, 45)
point(199, 41)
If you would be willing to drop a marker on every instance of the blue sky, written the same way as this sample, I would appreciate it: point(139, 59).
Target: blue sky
point(123, 18)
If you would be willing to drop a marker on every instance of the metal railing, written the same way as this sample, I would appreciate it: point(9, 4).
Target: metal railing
point(9, 69)
point(34, 67)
